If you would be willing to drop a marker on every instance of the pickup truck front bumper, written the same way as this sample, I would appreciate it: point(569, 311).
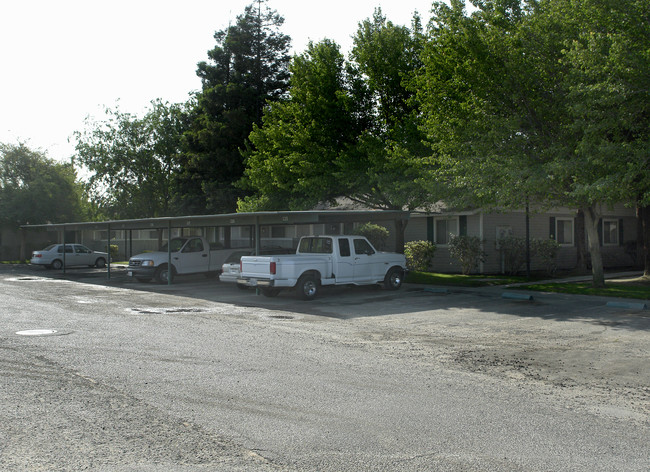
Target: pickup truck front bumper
point(141, 272)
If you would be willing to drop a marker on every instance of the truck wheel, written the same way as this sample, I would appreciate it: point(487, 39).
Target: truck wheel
point(163, 274)
point(393, 279)
point(270, 292)
point(307, 287)
point(100, 263)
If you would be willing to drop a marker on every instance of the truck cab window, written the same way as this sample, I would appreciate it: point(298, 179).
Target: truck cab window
point(316, 245)
point(195, 245)
point(344, 248)
point(361, 246)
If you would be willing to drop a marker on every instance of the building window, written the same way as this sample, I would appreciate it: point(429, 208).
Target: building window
point(610, 232)
point(564, 231)
point(444, 228)
point(278, 231)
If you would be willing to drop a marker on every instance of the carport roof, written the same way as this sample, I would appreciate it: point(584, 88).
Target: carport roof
point(232, 219)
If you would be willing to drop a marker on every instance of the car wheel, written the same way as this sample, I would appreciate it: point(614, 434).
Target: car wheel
point(307, 287)
point(394, 279)
point(163, 274)
point(100, 263)
point(56, 264)
point(270, 292)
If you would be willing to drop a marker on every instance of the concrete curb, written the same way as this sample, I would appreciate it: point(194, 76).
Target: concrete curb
point(517, 296)
point(628, 305)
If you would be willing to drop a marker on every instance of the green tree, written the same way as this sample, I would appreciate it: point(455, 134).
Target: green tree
point(37, 190)
point(504, 112)
point(292, 163)
point(133, 160)
point(247, 68)
point(346, 130)
point(387, 169)
point(608, 83)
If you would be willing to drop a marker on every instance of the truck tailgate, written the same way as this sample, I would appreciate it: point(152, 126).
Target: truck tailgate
point(256, 266)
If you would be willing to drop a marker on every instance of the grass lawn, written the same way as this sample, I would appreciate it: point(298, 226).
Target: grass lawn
point(415, 277)
point(623, 288)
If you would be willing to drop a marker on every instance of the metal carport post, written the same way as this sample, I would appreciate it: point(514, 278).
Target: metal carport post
point(108, 237)
point(169, 252)
point(63, 249)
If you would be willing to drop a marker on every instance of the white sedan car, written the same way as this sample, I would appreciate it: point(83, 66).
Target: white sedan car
point(75, 255)
point(230, 268)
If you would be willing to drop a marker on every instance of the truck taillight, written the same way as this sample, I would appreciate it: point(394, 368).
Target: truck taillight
point(241, 268)
point(272, 268)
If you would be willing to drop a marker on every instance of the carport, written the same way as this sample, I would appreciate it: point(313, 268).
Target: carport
point(255, 220)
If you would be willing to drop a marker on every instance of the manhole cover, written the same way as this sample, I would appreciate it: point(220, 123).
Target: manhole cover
point(36, 332)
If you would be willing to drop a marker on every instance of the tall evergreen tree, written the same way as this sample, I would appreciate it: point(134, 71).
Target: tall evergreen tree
point(247, 68)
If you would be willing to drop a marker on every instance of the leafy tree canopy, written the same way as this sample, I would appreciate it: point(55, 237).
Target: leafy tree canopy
point(518, 100)
point(37, 190)
point(346, 129)
point(133, 160)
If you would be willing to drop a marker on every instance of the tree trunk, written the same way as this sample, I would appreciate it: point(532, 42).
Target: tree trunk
point(644, 217)
point(591, 225)
point(581, 250)
point(400, 228)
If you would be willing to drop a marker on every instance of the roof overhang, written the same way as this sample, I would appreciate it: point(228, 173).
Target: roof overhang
point(232, 219)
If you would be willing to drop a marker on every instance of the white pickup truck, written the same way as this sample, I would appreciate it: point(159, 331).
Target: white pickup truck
point(323, 260)
point(191, 255)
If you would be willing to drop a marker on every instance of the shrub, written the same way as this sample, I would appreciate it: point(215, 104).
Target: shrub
point(546, 251)
point(419, 255)
point(513, 250)
point(467, 250)
point(114, 252)
point(377, 235)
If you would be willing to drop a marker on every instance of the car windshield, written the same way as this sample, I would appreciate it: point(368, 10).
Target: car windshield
point(177, 244)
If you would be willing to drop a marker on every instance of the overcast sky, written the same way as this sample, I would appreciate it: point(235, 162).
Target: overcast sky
point(62, 60)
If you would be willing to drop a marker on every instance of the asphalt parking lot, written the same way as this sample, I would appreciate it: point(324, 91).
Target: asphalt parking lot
point(334, 380)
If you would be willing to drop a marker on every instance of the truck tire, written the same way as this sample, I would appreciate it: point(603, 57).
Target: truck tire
point(162, 274)
point(394, 278)
point(100, 263)
point(307, 287)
